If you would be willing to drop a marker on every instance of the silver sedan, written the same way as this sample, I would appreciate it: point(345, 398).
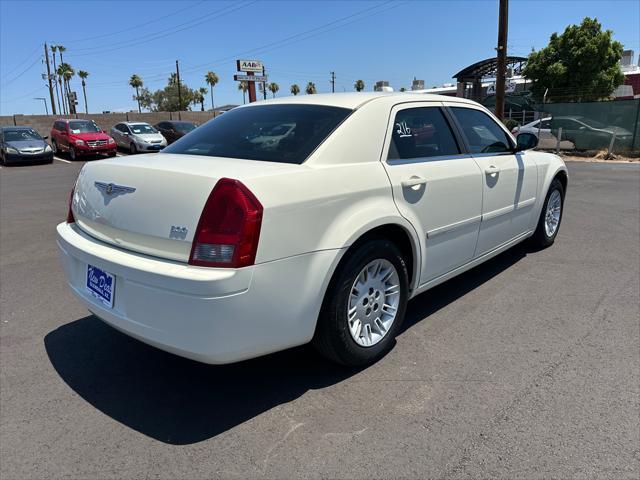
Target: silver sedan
point(138, 137)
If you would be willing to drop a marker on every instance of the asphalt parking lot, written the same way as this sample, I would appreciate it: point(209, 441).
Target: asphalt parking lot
point(527, 366)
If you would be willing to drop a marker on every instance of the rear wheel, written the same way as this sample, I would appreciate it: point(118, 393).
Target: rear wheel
point(364, 306)
point(551, 216)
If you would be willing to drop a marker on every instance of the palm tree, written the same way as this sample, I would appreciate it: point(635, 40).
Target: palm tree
point(273, 88)
point(83, 75)
point(202, 91)
point(61, 49)
point(212, 79)
point(54, 49)
point(295, 89)
point(136, 82)
point(67, 74)
point(359, 85)
point(244, 86)
point(310, 88)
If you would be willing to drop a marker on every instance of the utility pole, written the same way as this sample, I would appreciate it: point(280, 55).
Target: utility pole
point(53, 102)
point(333, 82)
point(264, 84)
point(179, 90)
point(503, 23)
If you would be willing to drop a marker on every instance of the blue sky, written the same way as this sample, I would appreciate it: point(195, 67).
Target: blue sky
point(298, 41)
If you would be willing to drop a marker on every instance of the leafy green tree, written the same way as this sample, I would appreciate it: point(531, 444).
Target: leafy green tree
point(359, 85)
point(83, 74)
point(170, 99)
point(581, 64)
point(212, 79)
point(295, 89)
point(136, 82)
point(273, 88)
point(310, 88)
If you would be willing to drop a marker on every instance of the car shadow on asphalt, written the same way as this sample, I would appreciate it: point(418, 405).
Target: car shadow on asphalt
point(180, 402)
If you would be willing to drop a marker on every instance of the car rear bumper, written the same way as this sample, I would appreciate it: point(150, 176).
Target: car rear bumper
point(212, 315)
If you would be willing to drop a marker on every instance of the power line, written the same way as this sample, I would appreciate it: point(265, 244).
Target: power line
point(25, 60)
point(155, 36)
point(135, 27)
point(23, 72)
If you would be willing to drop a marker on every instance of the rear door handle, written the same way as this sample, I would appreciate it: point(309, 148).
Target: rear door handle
point(414, 181)
point(491, 170)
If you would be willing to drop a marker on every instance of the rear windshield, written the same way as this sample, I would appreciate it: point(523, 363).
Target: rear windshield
point(273, 133)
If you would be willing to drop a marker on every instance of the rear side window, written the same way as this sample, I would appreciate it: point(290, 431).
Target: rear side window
point(273, 133)
point(483, 134)
point(421, 132)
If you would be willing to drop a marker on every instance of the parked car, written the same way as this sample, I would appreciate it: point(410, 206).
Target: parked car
point(81, 137)
point(138, 137)
point(221, 249)
point(172, 130)
point(23, 145)
point(588, 134)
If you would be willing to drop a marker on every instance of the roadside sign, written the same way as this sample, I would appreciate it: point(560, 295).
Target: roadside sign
point(249, 65)
point(250, 78)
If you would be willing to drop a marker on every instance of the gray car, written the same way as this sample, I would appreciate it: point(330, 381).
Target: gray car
point(138, 137)
point(23, 145)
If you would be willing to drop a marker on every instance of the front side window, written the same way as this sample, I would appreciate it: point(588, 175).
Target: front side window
point(483, 134)
point(272, 133)
point(83, 127)
point(421, 132)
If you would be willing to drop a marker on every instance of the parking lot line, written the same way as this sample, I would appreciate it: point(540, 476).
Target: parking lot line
point(62, 160)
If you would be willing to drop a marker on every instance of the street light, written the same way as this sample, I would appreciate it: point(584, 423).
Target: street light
point(44, 100)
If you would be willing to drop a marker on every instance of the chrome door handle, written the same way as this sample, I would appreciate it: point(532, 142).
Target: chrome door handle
point(413, 182)
point(491, 170)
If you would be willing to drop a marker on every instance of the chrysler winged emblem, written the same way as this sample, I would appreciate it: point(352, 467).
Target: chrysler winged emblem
point(111, 190)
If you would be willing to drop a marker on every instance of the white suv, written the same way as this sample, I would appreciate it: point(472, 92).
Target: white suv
point(225, 247)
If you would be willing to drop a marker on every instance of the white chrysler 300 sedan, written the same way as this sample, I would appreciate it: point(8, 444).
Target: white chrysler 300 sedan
point(232, 243)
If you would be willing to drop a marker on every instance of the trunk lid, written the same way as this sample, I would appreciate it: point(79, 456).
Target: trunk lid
point(152, 203)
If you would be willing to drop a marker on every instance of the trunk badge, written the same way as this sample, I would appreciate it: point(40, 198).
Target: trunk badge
point(113, 189)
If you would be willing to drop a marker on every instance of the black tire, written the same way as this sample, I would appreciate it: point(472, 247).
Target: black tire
point(112, 154)
point(540, 237)
point(54, 147)
point(333, 338)
point(72, 154)
point(132, 149)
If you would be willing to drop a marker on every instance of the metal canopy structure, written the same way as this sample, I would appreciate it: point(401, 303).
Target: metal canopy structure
point(474, 74)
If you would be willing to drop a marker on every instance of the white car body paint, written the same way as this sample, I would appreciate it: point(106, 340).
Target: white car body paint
point(313, 213)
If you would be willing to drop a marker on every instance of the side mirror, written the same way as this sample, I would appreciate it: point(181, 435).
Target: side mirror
point(526, 141)
point(126, 134)
point(104, 131)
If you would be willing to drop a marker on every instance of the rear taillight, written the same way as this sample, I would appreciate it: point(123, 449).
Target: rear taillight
point(70, 217)
point(229, 227)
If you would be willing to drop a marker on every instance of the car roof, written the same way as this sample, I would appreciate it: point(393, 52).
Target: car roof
point(16, 127)
point(353, 100)
point(135, 123)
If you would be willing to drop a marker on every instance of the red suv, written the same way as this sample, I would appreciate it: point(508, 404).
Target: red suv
point(81, 137)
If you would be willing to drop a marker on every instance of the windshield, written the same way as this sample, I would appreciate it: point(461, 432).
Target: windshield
point(20, 135)
point(273, 133)
point(83, 127)
point(184, 127)
point(142, 128)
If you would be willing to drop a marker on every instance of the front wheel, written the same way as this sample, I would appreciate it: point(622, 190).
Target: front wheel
point(364, 305)
point(132, 149)
point(72, 154)
point(551, 216)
